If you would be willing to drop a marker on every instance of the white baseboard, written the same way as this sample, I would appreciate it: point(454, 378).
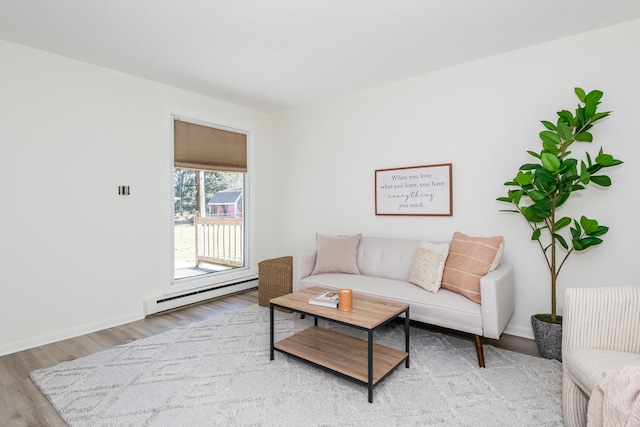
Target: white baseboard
point(519, 331)
point(152, 305)
point(169, 302)
point(25, 344)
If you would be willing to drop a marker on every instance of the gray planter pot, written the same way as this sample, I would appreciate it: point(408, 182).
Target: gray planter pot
point(548, 336)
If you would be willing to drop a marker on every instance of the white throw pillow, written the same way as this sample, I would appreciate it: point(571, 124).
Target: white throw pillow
point(337, 254)
point(428, 265)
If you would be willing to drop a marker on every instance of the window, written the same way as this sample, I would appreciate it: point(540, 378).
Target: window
point(208, 221)
point(209, 198)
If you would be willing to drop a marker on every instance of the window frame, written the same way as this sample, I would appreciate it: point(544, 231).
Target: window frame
point(218, 279)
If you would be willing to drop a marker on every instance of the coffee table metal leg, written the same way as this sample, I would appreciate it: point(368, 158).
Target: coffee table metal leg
point(407, 328)
point(271, 331)
point(370, 357)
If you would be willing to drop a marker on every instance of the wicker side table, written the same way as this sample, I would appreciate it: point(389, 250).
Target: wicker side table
point(274, 278)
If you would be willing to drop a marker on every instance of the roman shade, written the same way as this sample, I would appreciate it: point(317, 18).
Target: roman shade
point(208, 148)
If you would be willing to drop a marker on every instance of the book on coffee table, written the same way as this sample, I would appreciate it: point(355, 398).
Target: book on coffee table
point(325, 299)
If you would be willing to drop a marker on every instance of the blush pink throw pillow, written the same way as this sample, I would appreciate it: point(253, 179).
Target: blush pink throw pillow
point(469, 259)
point(337, 254)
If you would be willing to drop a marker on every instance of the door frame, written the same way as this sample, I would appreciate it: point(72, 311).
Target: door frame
point(240, 274)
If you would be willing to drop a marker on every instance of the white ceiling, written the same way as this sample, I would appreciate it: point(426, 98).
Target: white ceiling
point(272, 55)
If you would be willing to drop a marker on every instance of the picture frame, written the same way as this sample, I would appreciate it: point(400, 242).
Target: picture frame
point(415, 190)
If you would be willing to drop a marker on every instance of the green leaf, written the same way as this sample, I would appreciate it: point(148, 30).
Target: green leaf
point(576, 230)
point(565, 116)
point(569, 178)
point(589, 225)
point(594, 168)
point(585, 176)
point(562, 222)
point(524, 178)
point(584, 137)
point(562, 198)
point(536, 234)
point(601, 180)
point(564, 131)
point(581, 115)
point(534, 154)
point(604, 159)
point(545, 185)
point(581, 94)
point(544, 204)
point(594, 96)
point(599, 116)
point(531, 214)
point(568, 165)
point(588, 159)
point(549, 137)
point(548, 125)
point(542, 185)
point(561, 240)
point(550, 148)
point(587, 242)
point(504, 199)
point(536, 195)
point(576, 244)
point(534, 212)
point(548, 176)
point(550, 162)
point(591, 102)
point(600, 231)
point(529, 166)
point(517, 195)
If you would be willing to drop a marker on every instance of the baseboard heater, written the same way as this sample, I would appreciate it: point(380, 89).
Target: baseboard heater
point(153, 306)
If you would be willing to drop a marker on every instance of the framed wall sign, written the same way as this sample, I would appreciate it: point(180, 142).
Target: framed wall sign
point(416, 190)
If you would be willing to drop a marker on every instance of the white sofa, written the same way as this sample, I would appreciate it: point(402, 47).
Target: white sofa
point(600, 335)
point(384, 266)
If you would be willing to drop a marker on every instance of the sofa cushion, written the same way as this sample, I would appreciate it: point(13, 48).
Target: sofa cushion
point(385, 257)
point(588, 366)
point(469, 259)
point(337, 254)
point(428, 265)
point(443, 308)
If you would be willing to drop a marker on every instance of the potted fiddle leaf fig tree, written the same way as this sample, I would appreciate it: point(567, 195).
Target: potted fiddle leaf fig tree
point(544, 186)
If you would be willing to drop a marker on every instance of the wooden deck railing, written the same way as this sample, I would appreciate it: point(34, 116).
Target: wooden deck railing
point(219, 240)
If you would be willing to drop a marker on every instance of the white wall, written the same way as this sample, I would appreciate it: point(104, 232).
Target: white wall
point(482, 117)
point(77, 257)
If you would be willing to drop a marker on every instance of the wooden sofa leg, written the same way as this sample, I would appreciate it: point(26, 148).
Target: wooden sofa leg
point(480, 350)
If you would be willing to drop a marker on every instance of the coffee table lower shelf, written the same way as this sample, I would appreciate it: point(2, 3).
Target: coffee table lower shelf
point(341, 353)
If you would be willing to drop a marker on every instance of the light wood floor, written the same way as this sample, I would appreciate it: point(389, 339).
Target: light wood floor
point(22, 404)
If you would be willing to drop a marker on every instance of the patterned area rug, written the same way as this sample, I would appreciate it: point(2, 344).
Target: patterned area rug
point(218, 373)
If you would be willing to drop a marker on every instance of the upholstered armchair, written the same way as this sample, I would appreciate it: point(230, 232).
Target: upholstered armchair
point(600, 333)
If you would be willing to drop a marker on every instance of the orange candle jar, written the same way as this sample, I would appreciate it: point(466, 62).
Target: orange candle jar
point(345, 301)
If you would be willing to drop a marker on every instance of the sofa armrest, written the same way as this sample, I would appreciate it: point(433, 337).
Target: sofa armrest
point(498, 300)
point(604, 318)
point(302, 267)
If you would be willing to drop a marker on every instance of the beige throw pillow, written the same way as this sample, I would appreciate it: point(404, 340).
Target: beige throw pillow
point(337, 254)
point(428, 265)
point(469, 259)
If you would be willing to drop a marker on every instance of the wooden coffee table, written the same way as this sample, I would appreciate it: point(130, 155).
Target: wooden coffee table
point(344, 355)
